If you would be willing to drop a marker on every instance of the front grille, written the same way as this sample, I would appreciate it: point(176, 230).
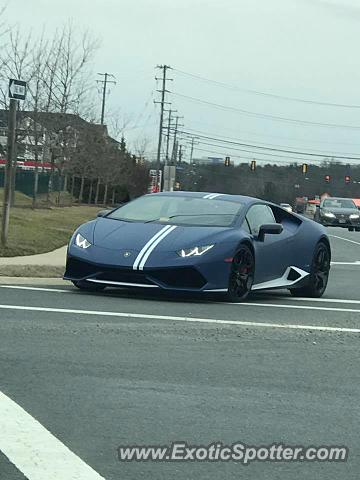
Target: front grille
point(185, 277)
point(78, 269)
point(124, 276)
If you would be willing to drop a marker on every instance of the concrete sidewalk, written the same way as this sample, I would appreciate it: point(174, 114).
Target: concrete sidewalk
point(56, 258)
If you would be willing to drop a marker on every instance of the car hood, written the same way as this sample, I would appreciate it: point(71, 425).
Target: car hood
point(116, 234)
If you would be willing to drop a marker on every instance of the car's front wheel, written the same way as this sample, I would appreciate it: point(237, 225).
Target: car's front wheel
point(88, 286)
point(319, 274)
point(241, 276)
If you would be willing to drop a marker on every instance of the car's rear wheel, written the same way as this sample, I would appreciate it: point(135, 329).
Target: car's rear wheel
point(89, 286)
point(319, 274)
point(241, 275)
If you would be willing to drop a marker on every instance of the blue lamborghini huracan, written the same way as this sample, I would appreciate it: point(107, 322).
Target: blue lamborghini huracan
point(201, 242)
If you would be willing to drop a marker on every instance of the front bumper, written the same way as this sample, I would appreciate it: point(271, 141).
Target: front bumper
point(340, 221)
point(195, 278)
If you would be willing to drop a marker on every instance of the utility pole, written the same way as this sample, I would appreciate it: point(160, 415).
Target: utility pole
point(180, 153)
point(192, 143)
point(175, 144)
point(168, 136)
point(162, 102)
point(105, 83)
point(8, 170)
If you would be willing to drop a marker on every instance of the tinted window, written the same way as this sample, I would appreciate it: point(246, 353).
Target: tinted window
point(245, 226)
point(179, 210)
point(259, 215)
point(339, 203)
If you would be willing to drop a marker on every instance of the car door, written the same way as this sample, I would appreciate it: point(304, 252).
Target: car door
point(271, 256)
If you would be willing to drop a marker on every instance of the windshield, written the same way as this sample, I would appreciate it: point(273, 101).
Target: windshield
point(339, 203)
point(179, 210)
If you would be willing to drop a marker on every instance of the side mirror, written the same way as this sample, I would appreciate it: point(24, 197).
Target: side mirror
point(103, 213)
point(269, 229)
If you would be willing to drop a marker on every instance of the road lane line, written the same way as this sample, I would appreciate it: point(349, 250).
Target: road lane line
point(40, 289)
point(275, 298)
point(345, 239)
point(357, 263)
point(202, 320)
point(323, 300)
point(36, 452)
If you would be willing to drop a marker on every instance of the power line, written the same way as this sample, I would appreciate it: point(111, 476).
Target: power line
point(264, 115)
point(287, 138)
point(252, 157)
point(226, 148)
point(321, 152)
point(260, 147)
point(266, 94)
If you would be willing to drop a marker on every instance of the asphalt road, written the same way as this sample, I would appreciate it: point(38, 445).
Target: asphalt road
point(118, 368)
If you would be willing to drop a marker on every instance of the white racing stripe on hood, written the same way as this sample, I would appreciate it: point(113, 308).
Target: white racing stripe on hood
point(154, 245)
point(210, 196)
point(148, 245)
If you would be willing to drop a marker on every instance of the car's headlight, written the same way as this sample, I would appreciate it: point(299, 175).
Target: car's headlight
point(354, 216)
point(329, 214)
point(81, 242)
point(194, 251)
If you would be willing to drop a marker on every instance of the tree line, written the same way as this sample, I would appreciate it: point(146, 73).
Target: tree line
point(57, 121)
point(276, 183)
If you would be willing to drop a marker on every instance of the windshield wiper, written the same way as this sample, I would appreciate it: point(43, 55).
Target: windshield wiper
point(191, 215)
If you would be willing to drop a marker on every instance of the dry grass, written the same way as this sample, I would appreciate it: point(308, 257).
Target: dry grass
point(33, 271)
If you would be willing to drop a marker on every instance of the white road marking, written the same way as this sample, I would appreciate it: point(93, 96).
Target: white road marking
point(323, 300)
point(36, 452)
point(202, 320)
point(357, 263)
point(345, 239)
point(18, 287)
point(288, 298)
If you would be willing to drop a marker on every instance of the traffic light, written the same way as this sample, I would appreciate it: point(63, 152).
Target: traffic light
point(253, 165)
point(347, 179)
point(304, 168)
point(227, 161)
point(327, 178)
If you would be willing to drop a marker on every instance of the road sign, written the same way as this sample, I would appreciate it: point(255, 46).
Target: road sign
point(17, 89)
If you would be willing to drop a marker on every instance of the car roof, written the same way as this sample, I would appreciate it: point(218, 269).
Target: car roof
point(222, 196)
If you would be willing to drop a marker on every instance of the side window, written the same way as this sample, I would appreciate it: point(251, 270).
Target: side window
point(259, 215)
point(245, 226)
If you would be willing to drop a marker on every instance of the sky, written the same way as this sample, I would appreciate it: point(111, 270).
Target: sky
point(303, 49)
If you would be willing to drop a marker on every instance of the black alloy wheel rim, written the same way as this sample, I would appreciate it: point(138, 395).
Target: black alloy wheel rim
point(321, 268)
point(242, 273)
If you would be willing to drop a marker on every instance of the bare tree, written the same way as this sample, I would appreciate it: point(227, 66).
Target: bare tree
point(69, 82)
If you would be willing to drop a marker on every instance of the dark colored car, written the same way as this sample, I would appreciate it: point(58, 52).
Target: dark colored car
point(338, 212)
point(200, 242)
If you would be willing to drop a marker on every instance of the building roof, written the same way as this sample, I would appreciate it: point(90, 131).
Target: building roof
point(55, 121)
